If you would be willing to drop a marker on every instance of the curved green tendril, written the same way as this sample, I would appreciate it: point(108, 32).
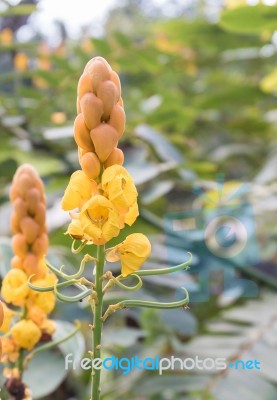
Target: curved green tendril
point(72, 299)
point(154, 304)
point(51, 344)
point(61, 274)
point(79, 273)
point(163, 271)
point(148, 304)
point(116, 281)
point(50, 288)
point(80, 248)
point(54, 269)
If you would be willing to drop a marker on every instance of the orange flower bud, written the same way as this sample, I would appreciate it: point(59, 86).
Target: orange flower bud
point(90, 165)
point(14, 221)
point(116, 157)
point(117, 119)
point(30, 229)
point(92, 109)
point(40, 245)
point(19, 245)
point(81, 153)
point(24, 184)
point(115, 79)
point(81, 134)
point(40, 214)
point(17, 262)
point(14, 193)
point(20, 208)
point(33, 198)
point(98, 71)
point(120, 102)
point(78, 107)
point(30, 264)
point(84, 85)
point(108, 93)
point(104, 138)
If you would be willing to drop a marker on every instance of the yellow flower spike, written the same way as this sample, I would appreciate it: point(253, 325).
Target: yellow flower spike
point(79, 190)
point(132, 253)
point(8, 315)
point(10, 350)
point(26, 334)
point(14, 287)
point(99, 220)
point(119, 187)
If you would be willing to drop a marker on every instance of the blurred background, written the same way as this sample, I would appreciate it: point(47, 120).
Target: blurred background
point(199, 83)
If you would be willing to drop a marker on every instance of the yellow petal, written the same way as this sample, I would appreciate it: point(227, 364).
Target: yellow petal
point(79, 190)
point(75, 230)
point(133, 251)
point(132, 214)
point(112, 255)
point(138, 244)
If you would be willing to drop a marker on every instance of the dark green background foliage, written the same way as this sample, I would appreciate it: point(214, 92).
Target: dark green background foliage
point(200, 99)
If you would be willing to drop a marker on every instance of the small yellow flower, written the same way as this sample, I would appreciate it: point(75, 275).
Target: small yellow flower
point(36, 315)
point(99, 220)
point(132, 253)
point(26, 334)
point(14, 287)
point(10, 350)
point(119, 187)
point(44, 300)
point(8, 315)
point(49, 327)
point(79, 190)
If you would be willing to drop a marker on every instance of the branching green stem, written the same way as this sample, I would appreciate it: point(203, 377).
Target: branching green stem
point(148, 304)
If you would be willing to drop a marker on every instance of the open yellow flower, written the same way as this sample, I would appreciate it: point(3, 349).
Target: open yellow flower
point(99, 220)
point(132, 253)
point(43, 300)
point(79, 190)
point(26, 334)
point(119, 187)
point(8, 315)
point(14, 287)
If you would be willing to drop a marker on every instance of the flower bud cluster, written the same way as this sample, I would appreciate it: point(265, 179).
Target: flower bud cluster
point(26, 323)
point(103, 191)
point(101, 118)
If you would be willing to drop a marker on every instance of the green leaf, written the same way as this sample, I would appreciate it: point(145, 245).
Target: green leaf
point(250, 20)
point(45, 373)
point(75, 345)
point(165, 150)
point(22, 9)
point(156, 190)
point(171, 383)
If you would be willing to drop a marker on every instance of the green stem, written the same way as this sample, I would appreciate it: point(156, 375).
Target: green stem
point(97, 321)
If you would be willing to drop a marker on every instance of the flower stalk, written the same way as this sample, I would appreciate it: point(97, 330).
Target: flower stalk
point(97, 321)
point(105, 197)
